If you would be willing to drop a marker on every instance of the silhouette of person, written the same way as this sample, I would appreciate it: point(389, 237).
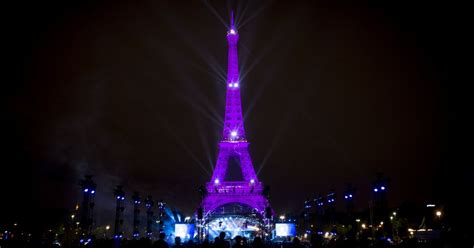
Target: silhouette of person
point(221, 242)
point(161, 243)
point(239, 243)
point(245, 241)
point(258, 243)
point(190, 244)
point(296, 243)
point(206, 244)
point(177, 243)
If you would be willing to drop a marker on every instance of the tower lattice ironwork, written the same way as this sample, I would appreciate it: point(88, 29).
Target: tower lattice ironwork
point(234, 145)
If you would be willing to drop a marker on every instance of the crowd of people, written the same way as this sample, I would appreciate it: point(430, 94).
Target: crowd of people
point(226, 242)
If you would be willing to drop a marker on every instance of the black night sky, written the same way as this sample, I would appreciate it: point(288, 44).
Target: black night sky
point(133, 93)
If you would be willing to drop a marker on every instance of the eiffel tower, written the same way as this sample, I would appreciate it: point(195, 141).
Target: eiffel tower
point(247, 192)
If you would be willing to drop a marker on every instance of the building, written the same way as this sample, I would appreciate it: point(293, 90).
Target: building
point(235, 205)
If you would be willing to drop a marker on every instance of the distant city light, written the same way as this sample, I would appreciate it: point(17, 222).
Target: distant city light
point(86, 190)
point(93, 192)
point(107, 227)
point(252, 181)
point(394, 213)
point(282, 217)
point(357, 220)
point(391, 217)
point(233, 133)
point(216, 181)
point(363, 226)
point(232, 31)
point(350, 196)
point(376, 190)
point(236, 84)
point(230, 85)
point(438, 213)
point(382, 188)
point(72, 216)
point(430, 205)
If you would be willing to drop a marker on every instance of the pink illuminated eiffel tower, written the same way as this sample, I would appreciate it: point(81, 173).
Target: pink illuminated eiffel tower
point(249, 190)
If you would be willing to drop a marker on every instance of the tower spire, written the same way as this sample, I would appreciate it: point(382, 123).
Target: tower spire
point(232, 20)
point(233, 122)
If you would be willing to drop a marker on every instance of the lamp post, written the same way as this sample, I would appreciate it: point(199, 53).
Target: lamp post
point(136, 212)
point(349, 195)
point(120, 197)
point(107, 228)
point(330, 207)
point(149, 216)
point(86, 218)
point(161, 212)
point(282, 218)
point(307, 216)
point(380, 207)
point(319, 201)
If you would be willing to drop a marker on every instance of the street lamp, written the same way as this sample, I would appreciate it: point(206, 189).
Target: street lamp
point(107, 227)
point(282, 217)
point(120, 196)
point(438, 213)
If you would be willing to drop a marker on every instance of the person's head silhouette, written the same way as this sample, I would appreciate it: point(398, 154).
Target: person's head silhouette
point(177, 241)
point(222, 235)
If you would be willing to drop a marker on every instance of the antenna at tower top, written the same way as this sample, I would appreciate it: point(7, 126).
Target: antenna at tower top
point(232, 30)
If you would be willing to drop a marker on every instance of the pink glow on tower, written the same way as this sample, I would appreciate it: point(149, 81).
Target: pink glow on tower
point(234, 145)
point(233, 122)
